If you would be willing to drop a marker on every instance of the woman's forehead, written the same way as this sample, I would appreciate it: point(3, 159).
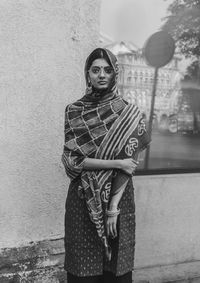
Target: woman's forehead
point(100, 62)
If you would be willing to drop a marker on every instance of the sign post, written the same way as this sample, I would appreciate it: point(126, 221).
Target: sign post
point(158, 51)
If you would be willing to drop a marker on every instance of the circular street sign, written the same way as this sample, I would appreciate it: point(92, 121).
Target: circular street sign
point(159, 49)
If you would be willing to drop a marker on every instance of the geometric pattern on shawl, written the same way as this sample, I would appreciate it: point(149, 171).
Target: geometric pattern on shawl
point(99, 132)
point(86, 125)
point(94, 181)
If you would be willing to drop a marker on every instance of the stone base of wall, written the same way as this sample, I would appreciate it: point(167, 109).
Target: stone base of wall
point(42, 262)
point(39, 262)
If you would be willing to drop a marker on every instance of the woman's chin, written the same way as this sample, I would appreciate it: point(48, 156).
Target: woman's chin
point(102, 87)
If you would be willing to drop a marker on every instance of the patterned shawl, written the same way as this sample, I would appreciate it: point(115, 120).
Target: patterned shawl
point(100, 128)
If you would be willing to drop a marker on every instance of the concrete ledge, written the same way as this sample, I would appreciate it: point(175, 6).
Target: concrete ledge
point(181, 273)
point(42, 262)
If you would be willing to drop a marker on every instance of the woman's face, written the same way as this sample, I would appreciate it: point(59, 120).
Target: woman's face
point(100, 74)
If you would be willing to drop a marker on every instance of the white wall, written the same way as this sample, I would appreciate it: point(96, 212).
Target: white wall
point(43, 46)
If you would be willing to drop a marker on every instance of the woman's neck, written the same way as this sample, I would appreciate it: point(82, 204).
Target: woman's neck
point(100, 97)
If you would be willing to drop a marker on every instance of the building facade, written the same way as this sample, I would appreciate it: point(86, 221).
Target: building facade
point(136, 83)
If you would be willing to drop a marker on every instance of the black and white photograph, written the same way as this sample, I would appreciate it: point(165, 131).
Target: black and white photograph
point(100, 141)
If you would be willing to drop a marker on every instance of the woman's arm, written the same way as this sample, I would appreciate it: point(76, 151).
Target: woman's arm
point(111, 222)
point(115, 199)
point(126, 168)
point(92, 164)
point(127, 165)
point(119, 184)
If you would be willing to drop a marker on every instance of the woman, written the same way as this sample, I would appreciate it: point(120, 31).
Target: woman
point(103, 136)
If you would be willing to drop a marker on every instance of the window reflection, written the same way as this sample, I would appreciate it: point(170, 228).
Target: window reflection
point(176, 120)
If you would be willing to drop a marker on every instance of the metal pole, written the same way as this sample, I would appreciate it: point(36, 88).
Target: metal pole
point(146, 164)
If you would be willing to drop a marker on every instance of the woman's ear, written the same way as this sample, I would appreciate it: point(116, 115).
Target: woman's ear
point(88, 80)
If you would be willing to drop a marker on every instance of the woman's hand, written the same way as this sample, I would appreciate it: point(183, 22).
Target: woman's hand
point(111, 221)
point(129, 165)
point(111, 226)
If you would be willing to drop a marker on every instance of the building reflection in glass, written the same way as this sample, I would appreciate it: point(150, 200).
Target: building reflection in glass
point(176, 125)
point(136, 82)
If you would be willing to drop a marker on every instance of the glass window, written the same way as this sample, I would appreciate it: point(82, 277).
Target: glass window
point(175, 145)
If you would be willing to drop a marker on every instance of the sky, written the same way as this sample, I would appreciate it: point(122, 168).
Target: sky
point(133, 20)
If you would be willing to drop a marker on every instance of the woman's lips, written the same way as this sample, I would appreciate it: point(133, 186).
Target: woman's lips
point(102, 82)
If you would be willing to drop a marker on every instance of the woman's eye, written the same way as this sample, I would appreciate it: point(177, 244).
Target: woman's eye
point(95, 70)
point(108, 70)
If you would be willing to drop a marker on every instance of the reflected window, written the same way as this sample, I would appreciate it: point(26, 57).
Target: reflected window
point(176, 129)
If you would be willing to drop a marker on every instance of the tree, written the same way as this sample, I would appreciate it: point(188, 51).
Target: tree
point(192, 72)
point(183, 23)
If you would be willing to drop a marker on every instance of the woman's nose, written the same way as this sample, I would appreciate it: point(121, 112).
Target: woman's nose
point(102, 73)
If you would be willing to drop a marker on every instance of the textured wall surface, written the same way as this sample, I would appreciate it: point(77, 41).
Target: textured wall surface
point(43, 46)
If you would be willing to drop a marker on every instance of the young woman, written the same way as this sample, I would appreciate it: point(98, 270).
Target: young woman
point(103, 136)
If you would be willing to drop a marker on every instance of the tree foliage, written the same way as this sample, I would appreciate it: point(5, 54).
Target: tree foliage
point(192, 72)
point(183, 23)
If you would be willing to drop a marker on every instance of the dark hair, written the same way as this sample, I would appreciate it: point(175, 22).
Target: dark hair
point(98, 53)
